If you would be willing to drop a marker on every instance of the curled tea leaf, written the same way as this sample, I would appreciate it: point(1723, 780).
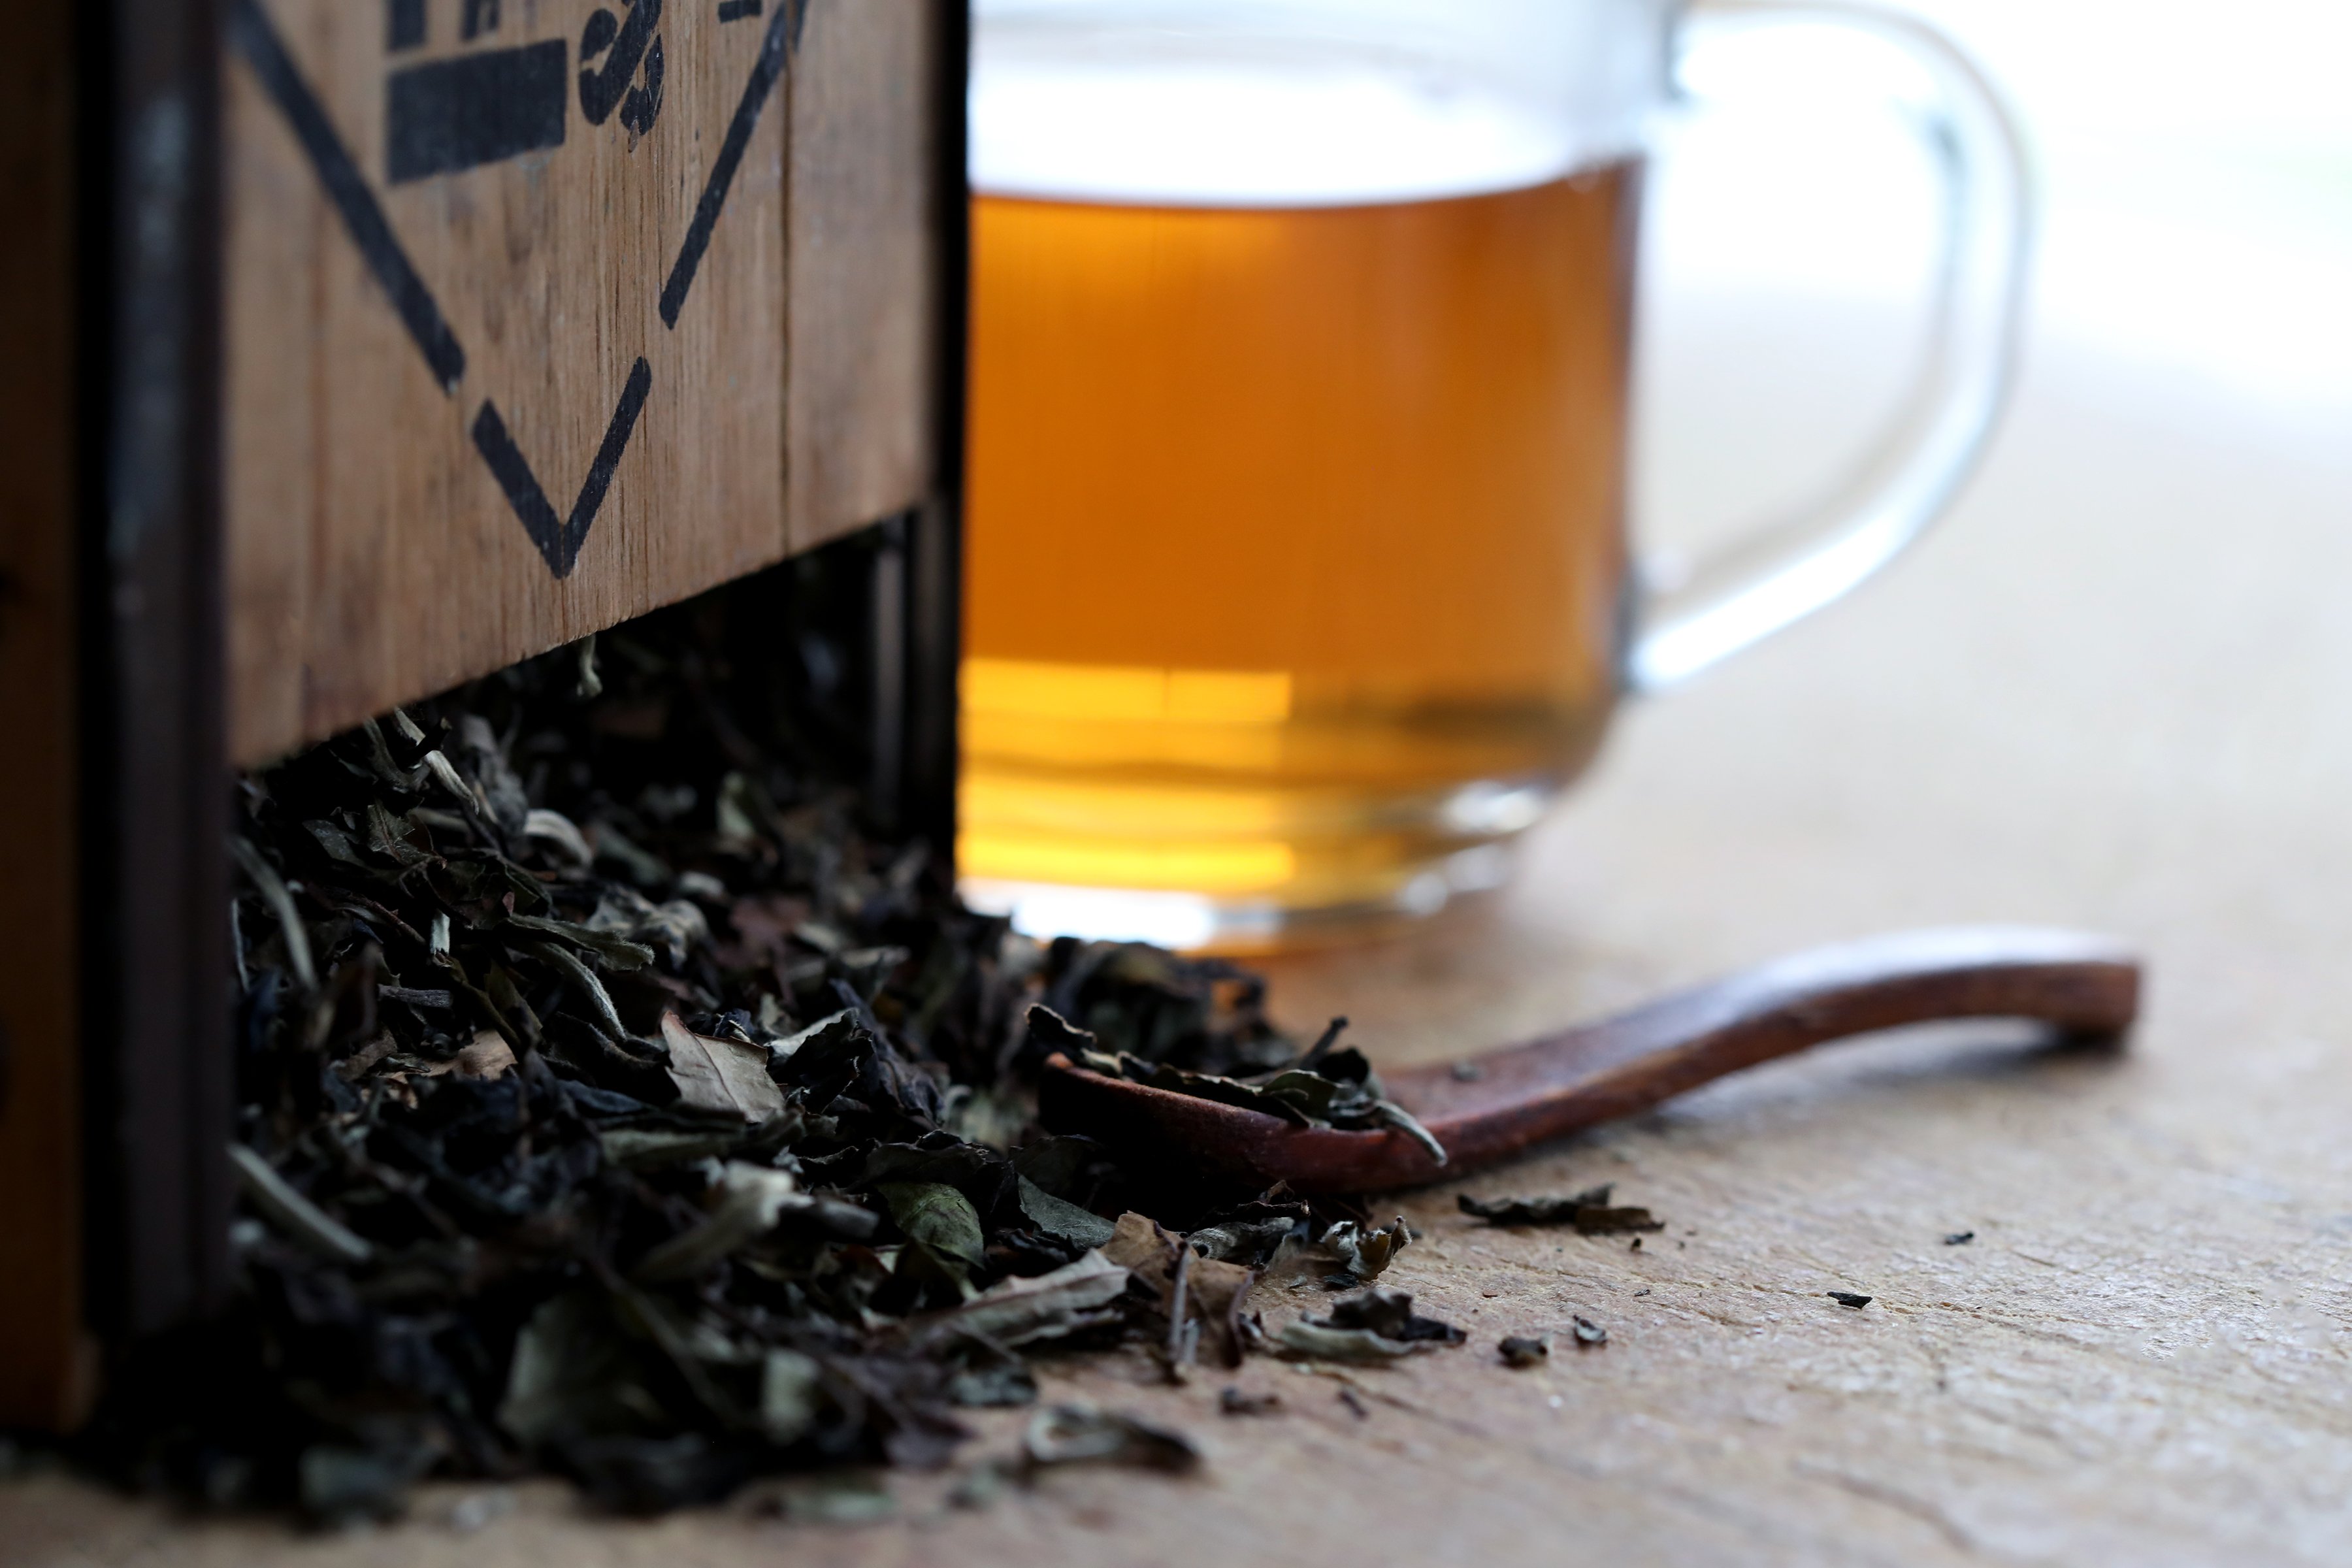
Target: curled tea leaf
point(1589, 1211)
point(1371, 1325)
point(1020, 1312)
point(718, 1077)
point(791, 1395)
point(937, 1215)
point(300, 1218)
point(1367, 1251)
point(1079, 1434)
point(1060, 1218)
point(750, 1199)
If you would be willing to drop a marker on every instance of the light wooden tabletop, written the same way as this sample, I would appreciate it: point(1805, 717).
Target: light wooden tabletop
point(2112, 693)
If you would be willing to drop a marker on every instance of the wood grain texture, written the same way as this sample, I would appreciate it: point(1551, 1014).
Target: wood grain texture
point(865, 310)
point(41, 1104)
point(373, 554)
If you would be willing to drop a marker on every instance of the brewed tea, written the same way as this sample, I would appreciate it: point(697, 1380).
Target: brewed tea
point(1295, 533)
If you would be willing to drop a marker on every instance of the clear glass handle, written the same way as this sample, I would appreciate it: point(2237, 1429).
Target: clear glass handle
point(1791, 568)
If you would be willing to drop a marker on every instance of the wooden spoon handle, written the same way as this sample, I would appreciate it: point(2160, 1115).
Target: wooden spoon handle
point(1498, 1104)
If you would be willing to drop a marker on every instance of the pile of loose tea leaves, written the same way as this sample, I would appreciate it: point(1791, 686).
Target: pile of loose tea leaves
point(614, 1099)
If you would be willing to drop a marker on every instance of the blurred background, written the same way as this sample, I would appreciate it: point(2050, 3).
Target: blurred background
point(2195, 167)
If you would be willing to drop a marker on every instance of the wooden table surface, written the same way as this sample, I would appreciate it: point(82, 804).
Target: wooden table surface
point(2112, 692)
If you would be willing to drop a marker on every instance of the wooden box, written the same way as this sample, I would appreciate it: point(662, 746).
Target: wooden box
point(350, 349)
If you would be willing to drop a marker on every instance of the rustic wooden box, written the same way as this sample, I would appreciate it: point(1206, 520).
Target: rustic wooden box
point(350, 349)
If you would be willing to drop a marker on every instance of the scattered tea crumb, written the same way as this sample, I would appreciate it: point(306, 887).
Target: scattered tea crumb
point(982, 1486)
point(1520, 1350)
point(1233, 1402)
point(1468, 1072)
point(1849, 1299)
point(1636, 1246)
point(1353, 1401)
point(1589, 1211)
point(476, 1510)
point(1078, 1434)
point(1960, 1238)
point(1589, 1332)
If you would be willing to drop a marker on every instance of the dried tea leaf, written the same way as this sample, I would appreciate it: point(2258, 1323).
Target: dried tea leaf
point(1297, 1263)
point(573, 1372)
point(1198, 1299)
point(1389, 1314)
point(838, 1500)
point(356, 1066)
point(1600, 1221)
point(649, 1148)
point(584, 979)
point(1372, 1325)
point(1078, 1434)
point(791, 1395)
point(273, 890)
point(1138, 1243)
point(614, 952)
point(747, 1201)
point(1019, 1312)
point(1321, 1342)
point(1244, 1241)
point(998, 1385)
point(1851, 1299)
point(1062, 1219)
point(559, 831)
point(487, 1057)
point(341, 1486)
point(719, 1078)
point(297, 1216)
point(937, 1215)
point(1522, 1351)
point(1589, 1211)
point(1367, 1251)
point(1589, 1333)
point(1232, 1401)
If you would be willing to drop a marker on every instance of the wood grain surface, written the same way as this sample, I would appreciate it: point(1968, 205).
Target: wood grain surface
point(2108, 695)
point(648, 334)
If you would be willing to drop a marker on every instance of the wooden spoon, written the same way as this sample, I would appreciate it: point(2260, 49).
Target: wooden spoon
point(1488, 1108)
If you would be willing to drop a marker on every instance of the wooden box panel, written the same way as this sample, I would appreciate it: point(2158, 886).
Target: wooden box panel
point(540, 313)
point(346, 353)
point(42, 1381)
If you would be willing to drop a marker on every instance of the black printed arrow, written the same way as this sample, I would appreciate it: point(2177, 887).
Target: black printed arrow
point(775, 50)
point(558, 541)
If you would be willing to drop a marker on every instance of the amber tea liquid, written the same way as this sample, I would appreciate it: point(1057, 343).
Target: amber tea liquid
point(1294, 542)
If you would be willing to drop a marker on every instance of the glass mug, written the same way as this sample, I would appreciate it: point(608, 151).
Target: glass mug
point(1297, 576)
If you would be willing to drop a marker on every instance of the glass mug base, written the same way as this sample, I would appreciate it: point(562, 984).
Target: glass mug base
point(1237, 924)
point(1243, 831)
